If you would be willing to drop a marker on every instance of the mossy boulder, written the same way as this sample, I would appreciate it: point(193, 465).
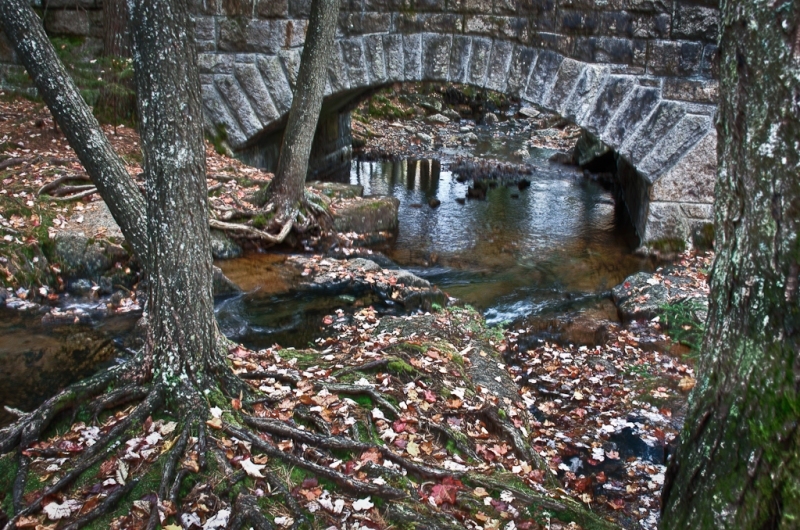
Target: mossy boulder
point(337, 190)
point(366, 215)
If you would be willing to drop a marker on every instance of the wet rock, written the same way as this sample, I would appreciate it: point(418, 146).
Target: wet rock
point(452, 115)
point(529, 112)
point(438, 119)
point(562, 158)
point(521, 154)
point(223, 247)
point(427, 138)
point(470, 137)
point(434, 203)
point(81, 287)
point(221, 284)
point(359, 274)
point(490, 118)
point(461, 200)
point(589, 151)
point(337, 190)
point(367, 265)
point(523, 184)
point(366, 215)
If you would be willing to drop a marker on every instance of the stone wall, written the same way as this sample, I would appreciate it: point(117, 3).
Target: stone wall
point(638, 74)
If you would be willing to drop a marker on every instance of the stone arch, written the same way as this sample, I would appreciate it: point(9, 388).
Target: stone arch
point(665, 139)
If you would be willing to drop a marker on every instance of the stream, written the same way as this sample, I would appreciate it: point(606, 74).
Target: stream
point(555, 247)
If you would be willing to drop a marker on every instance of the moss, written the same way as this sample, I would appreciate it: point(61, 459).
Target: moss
point(363, 401)
point(400, 367)
point(259, 221)
point(219, 139)
point(668, 245)
point(8, 471)
point(703, 237)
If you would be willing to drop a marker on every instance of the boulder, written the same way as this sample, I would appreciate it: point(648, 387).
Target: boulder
point(337, 190)
point(79, 255)
point(490, 118)
point(223, 247)
point(529, 112)
point(452, 115)
point(438, 119)
point(366, 215)
point(521, 154)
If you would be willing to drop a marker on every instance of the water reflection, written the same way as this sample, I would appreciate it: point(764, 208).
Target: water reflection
point(517, 252)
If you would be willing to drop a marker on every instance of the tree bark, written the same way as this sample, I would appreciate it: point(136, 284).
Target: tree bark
point(738, 463)
point(182, 330)
point(286, 189)
point(107, 170)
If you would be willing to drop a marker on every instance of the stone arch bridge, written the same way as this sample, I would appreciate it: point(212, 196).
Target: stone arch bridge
point(640, 75)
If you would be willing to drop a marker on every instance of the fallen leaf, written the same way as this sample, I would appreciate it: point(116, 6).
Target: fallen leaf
point(254, 470)
point(362, 504)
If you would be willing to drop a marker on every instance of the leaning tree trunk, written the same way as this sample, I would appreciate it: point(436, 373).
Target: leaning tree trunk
point(286, 189)
point(107, 170)
point(180, 305)
point(738, 464)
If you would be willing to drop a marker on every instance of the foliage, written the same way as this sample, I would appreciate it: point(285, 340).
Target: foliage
point(105, 83)
point(683, 323)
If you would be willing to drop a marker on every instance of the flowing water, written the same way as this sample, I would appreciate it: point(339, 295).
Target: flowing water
point(561, 242)
point(556, 246)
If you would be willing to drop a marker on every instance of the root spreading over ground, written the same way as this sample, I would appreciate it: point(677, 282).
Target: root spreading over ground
point(384, 427)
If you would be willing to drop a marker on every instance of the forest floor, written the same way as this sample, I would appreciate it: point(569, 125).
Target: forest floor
point(474, 429)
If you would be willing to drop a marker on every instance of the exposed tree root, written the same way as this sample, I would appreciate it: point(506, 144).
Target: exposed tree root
point(418, 489)
point(251, 232)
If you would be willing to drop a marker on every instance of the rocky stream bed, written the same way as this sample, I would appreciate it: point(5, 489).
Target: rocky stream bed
point(532, 426)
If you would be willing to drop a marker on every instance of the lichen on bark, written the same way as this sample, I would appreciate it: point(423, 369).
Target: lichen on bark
point(738, 464)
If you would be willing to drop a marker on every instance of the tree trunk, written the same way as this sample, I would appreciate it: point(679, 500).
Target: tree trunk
point(286, 189)
point(116, 96)
point(738, 463)
point(26, 34)
point(181, 327)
